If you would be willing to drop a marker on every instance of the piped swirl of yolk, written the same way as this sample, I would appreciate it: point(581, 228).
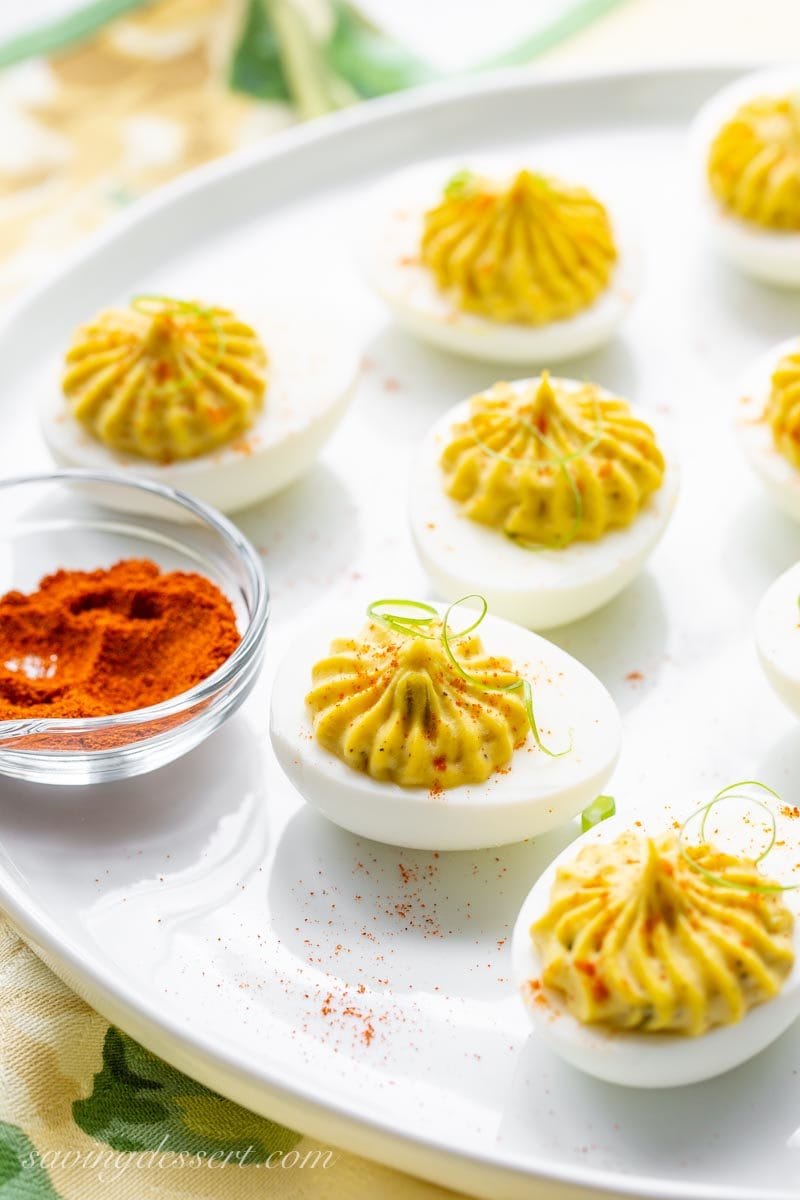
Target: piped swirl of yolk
point(783, 408)
point(396, 708)
point(551, 465)
point(754, 163)
point(636, 938)
point(532, 252)
point(165, 379)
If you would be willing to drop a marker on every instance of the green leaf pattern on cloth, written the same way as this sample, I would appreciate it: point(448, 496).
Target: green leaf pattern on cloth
point(372, 63)
point(139, 1102)
point(256, 68)
point(22, 1177)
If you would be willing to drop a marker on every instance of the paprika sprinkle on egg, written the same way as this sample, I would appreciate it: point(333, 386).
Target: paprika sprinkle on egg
point(97, 643)
point(165, 379)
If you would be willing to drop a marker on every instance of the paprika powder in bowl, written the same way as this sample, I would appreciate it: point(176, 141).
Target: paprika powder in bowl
point(133, 622)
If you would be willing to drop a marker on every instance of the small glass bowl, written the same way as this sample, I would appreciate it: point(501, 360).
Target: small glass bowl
point(82, 520)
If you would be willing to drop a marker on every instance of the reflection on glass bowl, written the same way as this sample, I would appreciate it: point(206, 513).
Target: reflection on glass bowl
point(82, 520)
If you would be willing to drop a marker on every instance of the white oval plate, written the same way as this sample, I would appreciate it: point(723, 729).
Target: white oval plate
point(362, 993)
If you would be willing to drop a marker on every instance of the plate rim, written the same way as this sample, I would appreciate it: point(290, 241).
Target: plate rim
point(478, 1172)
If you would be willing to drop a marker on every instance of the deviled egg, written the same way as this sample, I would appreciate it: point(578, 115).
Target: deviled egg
point(546, 495)
point(747, 147)
point(523, 268)
point(189, 395)
point(652, 959)
point(414, 730)
point(768, 423)
point(778, 636)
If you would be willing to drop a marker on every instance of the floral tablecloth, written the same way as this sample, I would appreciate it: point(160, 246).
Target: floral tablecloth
point(85, 1112)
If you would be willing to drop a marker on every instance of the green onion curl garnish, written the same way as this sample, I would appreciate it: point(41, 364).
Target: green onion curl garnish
point(735, 791)
point(417, 619)
point(461, 184)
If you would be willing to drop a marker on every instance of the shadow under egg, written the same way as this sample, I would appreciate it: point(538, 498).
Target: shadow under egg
point(779, 765)
point(403, 920)
point(623, 643)
point(761, 543)
point(431, 379)
point(308, 535)
point(613, 366)
point(769, 313)
point(410, 381)
point(673, 1130)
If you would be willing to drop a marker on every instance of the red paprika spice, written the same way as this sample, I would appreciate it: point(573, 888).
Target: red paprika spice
point(95, 643)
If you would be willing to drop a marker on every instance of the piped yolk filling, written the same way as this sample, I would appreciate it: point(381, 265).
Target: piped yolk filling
point(532, 252)
point(635, 938)
point(165, 381)
point(397, 709)
point(551, 465)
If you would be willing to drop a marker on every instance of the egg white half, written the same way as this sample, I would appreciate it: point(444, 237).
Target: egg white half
point(772, 256)
point(533, 794)
point(647, 1060)
point(780, 477)
point(389, 255)
point(536, 588)
point(778, 636)
point(313, 363)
